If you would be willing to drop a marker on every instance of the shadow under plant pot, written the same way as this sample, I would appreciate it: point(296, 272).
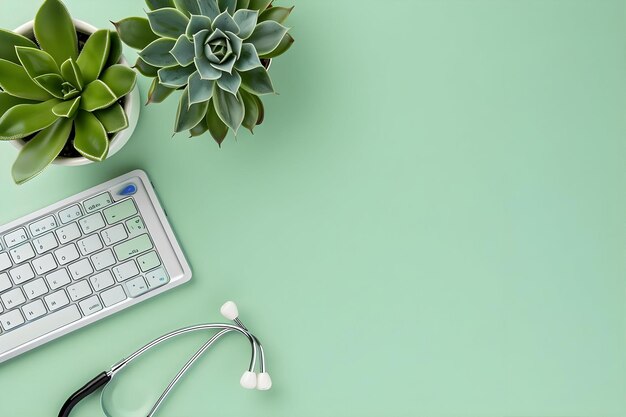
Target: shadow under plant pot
point(69, 156)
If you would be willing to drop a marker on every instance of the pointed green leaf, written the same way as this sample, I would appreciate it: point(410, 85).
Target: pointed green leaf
point(246, 20)
point(113, 118)
point(72, 74)
point(227, 5)
point(146, 69)
point(259, 4)
point(196, 24)
point(36, 62)
point(55, 31)
point(25, 119)
point(206, 70)
point(199, 129)
point(135, 32)
point(67, 108)
point(158, 92)
point(200, 90)
point(8, 42)
point(282, 47)
point(209, 8)
point(90, 137)
point(188, 116)
point(120, 79)
point(257, 81)
point(175, 77)
point(159, 4)
point(115, 49)
point(158, 53)
point(15, 81)
point(217, 128)
point(230, 82)
point(188, 7)
point(97, 95)
point(267, 36)
point(243, 4)
point(277, 14)
point(7, 101)
point(94, 55)
point(52, 83)
point(229, 108)
point(248, 59)
point(41, 150)
point(225, 22)
point(183, 51)
point(168, 22)
point(261, 108)
point(252, 111)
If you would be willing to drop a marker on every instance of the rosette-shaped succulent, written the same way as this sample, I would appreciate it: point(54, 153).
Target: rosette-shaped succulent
point(55, 93)
point(216, 51)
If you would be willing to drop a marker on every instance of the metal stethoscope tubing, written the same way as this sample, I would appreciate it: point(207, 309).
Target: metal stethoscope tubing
point(248, 380)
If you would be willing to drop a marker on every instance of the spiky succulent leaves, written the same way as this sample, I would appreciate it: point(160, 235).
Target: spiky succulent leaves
point(52, 90)
point(213, 50)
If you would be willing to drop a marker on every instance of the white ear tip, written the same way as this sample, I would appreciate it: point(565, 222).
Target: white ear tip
point(264, 382)
point(229, 310)
point(248, 380)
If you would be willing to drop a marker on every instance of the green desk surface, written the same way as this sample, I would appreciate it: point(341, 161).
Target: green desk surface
point(429, 223)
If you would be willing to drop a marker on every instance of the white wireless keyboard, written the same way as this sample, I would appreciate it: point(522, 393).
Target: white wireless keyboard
point(82, 259)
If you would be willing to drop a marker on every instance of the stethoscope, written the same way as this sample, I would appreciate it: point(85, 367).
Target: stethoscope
point(249, 379)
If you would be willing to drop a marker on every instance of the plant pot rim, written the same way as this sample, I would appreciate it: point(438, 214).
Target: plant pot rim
point(131, 105)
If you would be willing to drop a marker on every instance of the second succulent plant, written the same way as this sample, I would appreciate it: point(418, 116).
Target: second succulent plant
point(216, 52)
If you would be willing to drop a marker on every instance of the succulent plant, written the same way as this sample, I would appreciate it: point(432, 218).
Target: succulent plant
point(54, 92)
point(214, 51)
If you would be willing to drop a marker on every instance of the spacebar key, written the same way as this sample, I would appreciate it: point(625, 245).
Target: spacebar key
point(38, 328)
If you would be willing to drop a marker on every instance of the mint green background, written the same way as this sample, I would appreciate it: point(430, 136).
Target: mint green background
point(429, 223)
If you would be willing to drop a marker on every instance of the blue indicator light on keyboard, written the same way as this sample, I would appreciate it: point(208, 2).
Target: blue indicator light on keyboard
point(130, 189)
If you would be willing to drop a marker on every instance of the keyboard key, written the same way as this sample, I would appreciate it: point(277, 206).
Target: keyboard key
point(103, 259)
point(58, 278)
point(70, 214)
point(44, 325)
point(22, 253)
point(42, 226)
point(90, 244)
point(120, 211)
point(91, 223)
point(102, 280)
point(97, 202)
point(125, 271)
point(35, 288)
point(15, 238)
point(68, 233)
point(135, 226)
point(90, 305)
point(11, 319)
point(34, 310)
point(114, 234)
point(21, 274)
point(44, 264)
point(148, 261)
point(133, 247)
point(66, 255)
point(56, 300)
point(80, 269)
point(113, 296)
point(79, 290)
point(136, 287)
point(5, 282)
point(13, 298)
point(45, 243)
point(5, 261)
point(157, 278)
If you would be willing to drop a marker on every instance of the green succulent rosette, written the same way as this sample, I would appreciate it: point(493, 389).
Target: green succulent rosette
point(214, 51)
point(51, 90)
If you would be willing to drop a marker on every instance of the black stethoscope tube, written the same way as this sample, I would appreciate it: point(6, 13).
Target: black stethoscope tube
point(89, 388)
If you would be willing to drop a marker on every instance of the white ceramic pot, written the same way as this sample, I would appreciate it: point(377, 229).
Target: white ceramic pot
point(131, 106)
